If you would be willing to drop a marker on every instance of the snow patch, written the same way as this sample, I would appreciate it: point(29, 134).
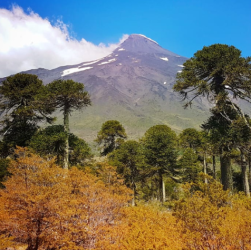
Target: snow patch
point(89, 63)
point(74, 70)
point(164, 82)
point(164, 58)
point(179, 71)
point(116, 55)
point(148, 38)
point(121, 49)
point(111, 60)
point(182, 66)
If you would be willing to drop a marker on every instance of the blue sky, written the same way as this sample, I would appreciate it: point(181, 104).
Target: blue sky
point(181, 26)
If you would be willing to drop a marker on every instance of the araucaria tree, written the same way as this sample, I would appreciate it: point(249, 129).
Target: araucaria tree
point(22, 107)
point(217, 72)
point(50, 142)
point(129, 160)
point(110, 136)
point(160, 153)
point(190, 137)
point(189, 166)
point(221, 74)
point(67, 95)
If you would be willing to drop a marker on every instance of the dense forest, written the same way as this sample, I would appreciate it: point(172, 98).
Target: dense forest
point(164, 191)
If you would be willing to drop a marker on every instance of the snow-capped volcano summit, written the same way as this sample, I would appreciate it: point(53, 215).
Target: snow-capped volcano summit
point(132, 85)
point(135, 50)
point(142, 44)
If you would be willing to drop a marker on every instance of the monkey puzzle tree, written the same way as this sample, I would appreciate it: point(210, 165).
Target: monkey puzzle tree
point(198, 142)
point(159, 144)
point(110, 136)
point(219, 73)
point(51, 142)
point(129, 159)
point(216, 72)
point(22, 106)
point(241, 135)
point(67, 95)
point(189, 165)
point(219, 130)
point(190, 137)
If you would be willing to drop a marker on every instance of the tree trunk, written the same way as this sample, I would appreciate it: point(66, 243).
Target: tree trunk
point(66, 129)
point(214, 167)
point(31, 245)
point(205, 167)
point(249, 170)
point(160, 186)
point(134, 193)
point(244, 175)
point(164, 190)
point(226, 172)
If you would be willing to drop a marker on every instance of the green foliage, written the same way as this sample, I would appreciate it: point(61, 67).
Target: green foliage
point(221, 74)
point(79, 150)
point(22, 95)
point(214, 72)
point(4, 163)
point(190, 137)
point(129, 160)
point(110, 136)
point(51, 142)
point(160, 152)
point(220, 137)
point(160, 148)
point(172, 190)
point(22, 106)
point(240, 132)
point(68, 95)
point(189, 166)
point(220, 127)
point(4, 149)
point(19, 134)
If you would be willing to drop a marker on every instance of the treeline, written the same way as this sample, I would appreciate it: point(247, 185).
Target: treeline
point(156, 165)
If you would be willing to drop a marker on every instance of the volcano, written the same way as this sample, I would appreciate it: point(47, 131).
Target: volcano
point(132, 85)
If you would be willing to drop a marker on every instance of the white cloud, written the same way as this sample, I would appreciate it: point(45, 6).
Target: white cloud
point(28, 41)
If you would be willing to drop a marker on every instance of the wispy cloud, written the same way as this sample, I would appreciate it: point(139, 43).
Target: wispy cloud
point(28, 41)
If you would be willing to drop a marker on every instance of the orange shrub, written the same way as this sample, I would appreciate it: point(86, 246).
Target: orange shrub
point(144, 227)
point(212, 218)
point(46, 207)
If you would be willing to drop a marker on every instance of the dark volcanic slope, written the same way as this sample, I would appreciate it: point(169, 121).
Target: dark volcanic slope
point(132, 85)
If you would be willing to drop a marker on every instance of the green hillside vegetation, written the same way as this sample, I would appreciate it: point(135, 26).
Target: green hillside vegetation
point(86, 125)
point(155, 189)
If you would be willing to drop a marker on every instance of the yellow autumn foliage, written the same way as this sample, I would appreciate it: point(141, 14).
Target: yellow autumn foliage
point(144, 227)
point(45, 207)
point(211, 218)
